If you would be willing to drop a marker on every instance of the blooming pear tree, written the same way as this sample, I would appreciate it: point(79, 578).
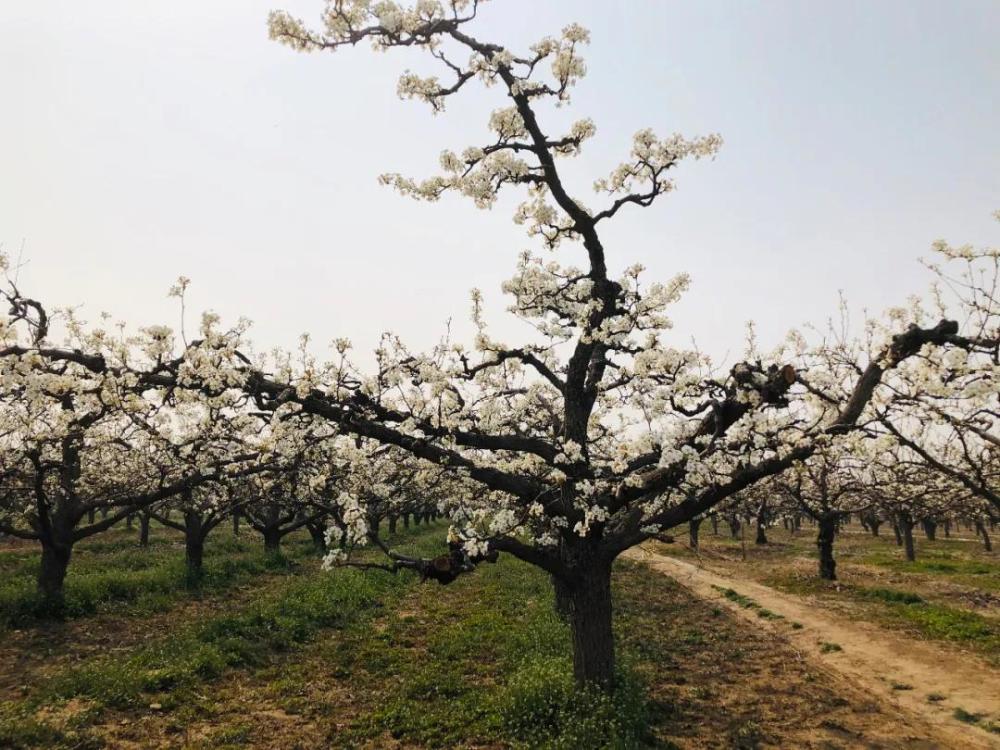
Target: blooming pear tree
point(597, 434)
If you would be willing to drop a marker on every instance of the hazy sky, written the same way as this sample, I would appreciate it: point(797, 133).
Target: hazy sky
point(140, 141)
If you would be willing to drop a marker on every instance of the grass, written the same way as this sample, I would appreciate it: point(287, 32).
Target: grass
point(117, 576)
point(166, 671)
point(747, 603)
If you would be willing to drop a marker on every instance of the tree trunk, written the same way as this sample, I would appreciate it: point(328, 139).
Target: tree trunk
point(906, 526)
point(236, 523)
point(91, 515)
point(144, 529)
point(824, 541)
point(52, 573)
point(194, 547)
point(898, 533)
point(734, 527)
point(563, 598)
point(318, 534)
point(930, 528)
point(947, 529)
point(715, 525)
point(981, 531)
point(761, 536)
point(693, 525)
point(128, 521)
point(272, 540)
point(406, 520)
point(393, 520)
point(590, 622)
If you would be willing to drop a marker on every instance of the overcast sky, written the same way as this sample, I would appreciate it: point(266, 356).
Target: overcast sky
point(140, 141)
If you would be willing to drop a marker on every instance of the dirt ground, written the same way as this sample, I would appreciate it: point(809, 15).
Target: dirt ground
point(898, 670)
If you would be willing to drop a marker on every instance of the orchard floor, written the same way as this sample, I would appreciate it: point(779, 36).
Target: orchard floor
point(278, 654)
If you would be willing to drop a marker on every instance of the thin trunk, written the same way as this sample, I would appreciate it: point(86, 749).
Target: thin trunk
point(393, 522)
point(406, 520)
point(144, 529)
point(824, 541)
point(693, 525)
point(873, 524)
point(734, 527)
point(236, 523)
point(715, 525)
point(981, 531)
point(898, 533)
point(194, 547)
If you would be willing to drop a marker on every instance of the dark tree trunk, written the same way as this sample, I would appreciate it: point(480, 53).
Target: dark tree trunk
point(947, 529)
point(898, 533)
point(393, 521)
point(318, 534)
point(930, 528)
point(91, 515)
point(590, 623)
point(144, 529)
point(194, 547)
point(128, 521)
point(873, 524)
point(761, 536)
point(981, 531)
point(715, 525)
point(272, 539)
point(52, 572)
point(906, 527)
point(824, 541)
point(693, 525)
point(563, 598)
point(406, 520)
point(236, 523)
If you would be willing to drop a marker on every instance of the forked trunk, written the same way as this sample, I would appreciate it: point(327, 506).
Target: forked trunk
point(824, 542)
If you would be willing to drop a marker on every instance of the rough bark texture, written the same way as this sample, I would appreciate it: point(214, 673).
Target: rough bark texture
point(590, 622)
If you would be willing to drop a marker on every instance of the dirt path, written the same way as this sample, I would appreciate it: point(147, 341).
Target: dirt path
point(872, 658)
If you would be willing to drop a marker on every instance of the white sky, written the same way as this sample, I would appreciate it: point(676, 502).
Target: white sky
point(140, 141)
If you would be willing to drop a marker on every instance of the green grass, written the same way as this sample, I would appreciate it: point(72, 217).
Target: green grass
point(168, 670)
point(115, 575)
